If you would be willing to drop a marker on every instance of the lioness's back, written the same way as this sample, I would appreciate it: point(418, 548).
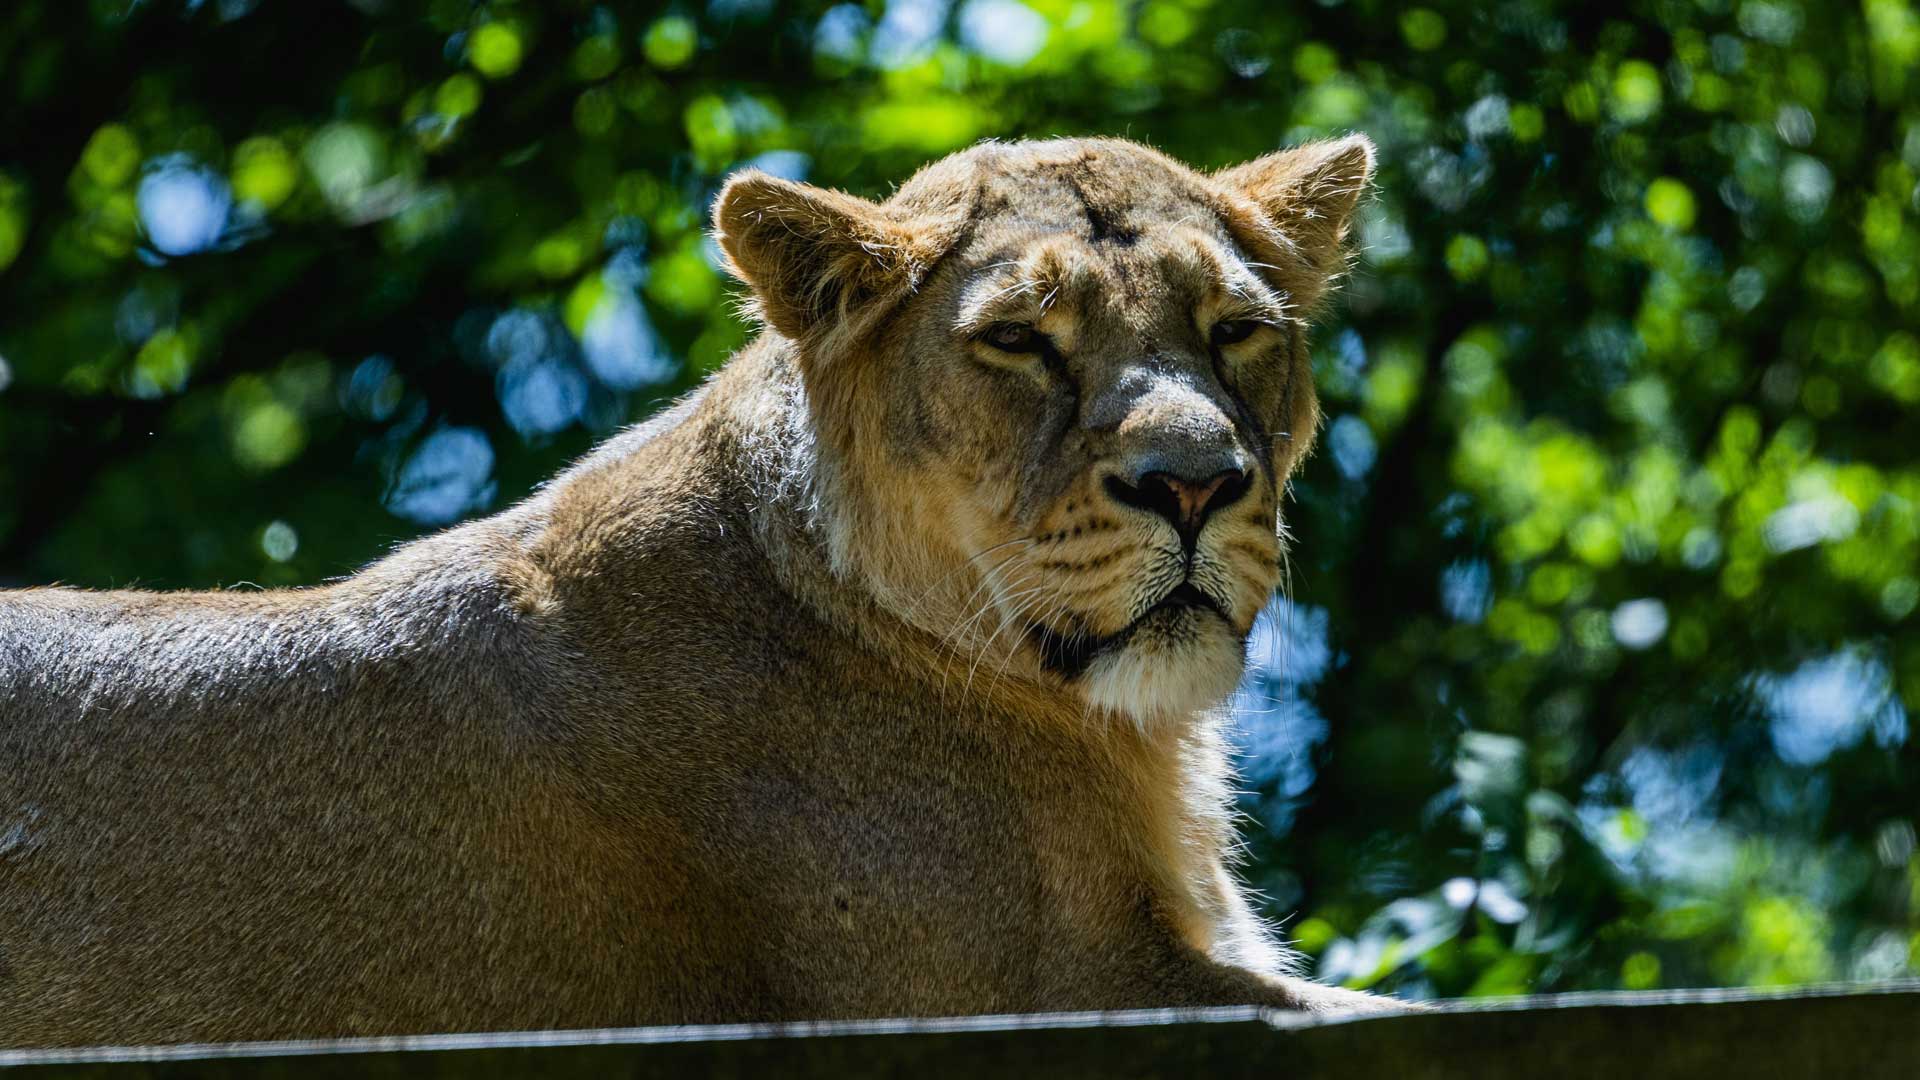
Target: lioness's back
point(339, 806)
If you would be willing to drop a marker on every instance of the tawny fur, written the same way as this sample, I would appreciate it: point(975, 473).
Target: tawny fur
point(745, 716)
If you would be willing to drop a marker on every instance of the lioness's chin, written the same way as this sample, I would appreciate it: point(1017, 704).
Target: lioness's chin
point(1161, 677)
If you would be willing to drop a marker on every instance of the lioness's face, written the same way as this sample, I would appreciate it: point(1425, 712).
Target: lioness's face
point(1086, 409)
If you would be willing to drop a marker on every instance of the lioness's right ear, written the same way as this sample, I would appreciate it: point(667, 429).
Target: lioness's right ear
point(818, 261)
point(1307, 195)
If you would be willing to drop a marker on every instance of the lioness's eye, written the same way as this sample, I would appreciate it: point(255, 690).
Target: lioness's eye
point(1014, 338)
point(1233, 331)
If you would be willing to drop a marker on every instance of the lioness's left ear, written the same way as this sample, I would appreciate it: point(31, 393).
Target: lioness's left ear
point(1308, 195)
point(819, 261)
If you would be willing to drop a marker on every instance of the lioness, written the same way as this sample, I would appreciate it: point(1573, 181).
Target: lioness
point(881, 676)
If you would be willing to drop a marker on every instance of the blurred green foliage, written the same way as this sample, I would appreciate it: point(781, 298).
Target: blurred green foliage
point(1602, 647)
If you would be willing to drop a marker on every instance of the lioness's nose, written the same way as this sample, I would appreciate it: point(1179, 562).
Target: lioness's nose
point(1184, 501)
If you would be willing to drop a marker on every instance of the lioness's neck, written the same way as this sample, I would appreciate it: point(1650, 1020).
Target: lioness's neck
point(804, 507)
point(733, 469)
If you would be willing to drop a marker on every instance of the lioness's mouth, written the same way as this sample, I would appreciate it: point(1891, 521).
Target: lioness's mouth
point(1069, 654)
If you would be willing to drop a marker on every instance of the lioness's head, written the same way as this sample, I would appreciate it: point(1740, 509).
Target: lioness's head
point(1057, 389)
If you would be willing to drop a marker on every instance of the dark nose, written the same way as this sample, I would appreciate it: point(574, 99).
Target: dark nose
point(1184, 501)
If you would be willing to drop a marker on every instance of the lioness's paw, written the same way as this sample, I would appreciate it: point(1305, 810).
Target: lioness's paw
point(1320, 1000)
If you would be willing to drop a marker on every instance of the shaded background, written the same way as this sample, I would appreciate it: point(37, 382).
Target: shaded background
point(1601, 649)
